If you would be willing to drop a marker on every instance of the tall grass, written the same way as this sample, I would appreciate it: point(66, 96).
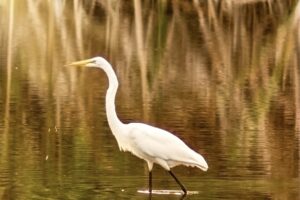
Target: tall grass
point(239, 60)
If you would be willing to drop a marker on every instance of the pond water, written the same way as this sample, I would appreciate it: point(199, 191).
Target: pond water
point(223, 76)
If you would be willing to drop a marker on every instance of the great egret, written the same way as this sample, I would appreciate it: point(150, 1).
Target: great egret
point(152, 144)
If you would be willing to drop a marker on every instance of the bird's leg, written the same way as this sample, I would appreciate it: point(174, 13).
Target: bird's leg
point(150, 182)
point(178, 182)
point(182, 197)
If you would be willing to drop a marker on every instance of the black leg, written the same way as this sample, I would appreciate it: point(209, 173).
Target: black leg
point(150, 182)
point(177, 181)
point(150, 185)
point(182, 197)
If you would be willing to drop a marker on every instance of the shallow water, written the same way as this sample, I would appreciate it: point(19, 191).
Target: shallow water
point(224, 77)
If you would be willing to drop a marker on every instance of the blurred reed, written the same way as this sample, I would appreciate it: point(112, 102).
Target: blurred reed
point(240, 56)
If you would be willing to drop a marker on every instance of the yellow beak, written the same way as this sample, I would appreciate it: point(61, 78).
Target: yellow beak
point(80, 63)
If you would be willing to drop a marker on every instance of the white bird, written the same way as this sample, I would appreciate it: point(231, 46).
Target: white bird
point(152, 144)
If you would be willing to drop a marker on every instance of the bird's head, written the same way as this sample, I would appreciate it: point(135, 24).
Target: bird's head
point(92, 62)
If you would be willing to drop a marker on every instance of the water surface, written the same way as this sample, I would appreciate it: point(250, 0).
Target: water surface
point(224, 77)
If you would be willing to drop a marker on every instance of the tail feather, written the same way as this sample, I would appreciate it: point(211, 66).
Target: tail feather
point(200, 162)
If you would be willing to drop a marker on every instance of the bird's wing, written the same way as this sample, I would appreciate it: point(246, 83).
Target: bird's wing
point(160, 144)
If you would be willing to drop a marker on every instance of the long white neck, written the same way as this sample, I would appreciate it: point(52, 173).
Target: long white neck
point(114, 123)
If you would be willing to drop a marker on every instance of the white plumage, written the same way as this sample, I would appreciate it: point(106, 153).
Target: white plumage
point(152, 144)
point(159, 146)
